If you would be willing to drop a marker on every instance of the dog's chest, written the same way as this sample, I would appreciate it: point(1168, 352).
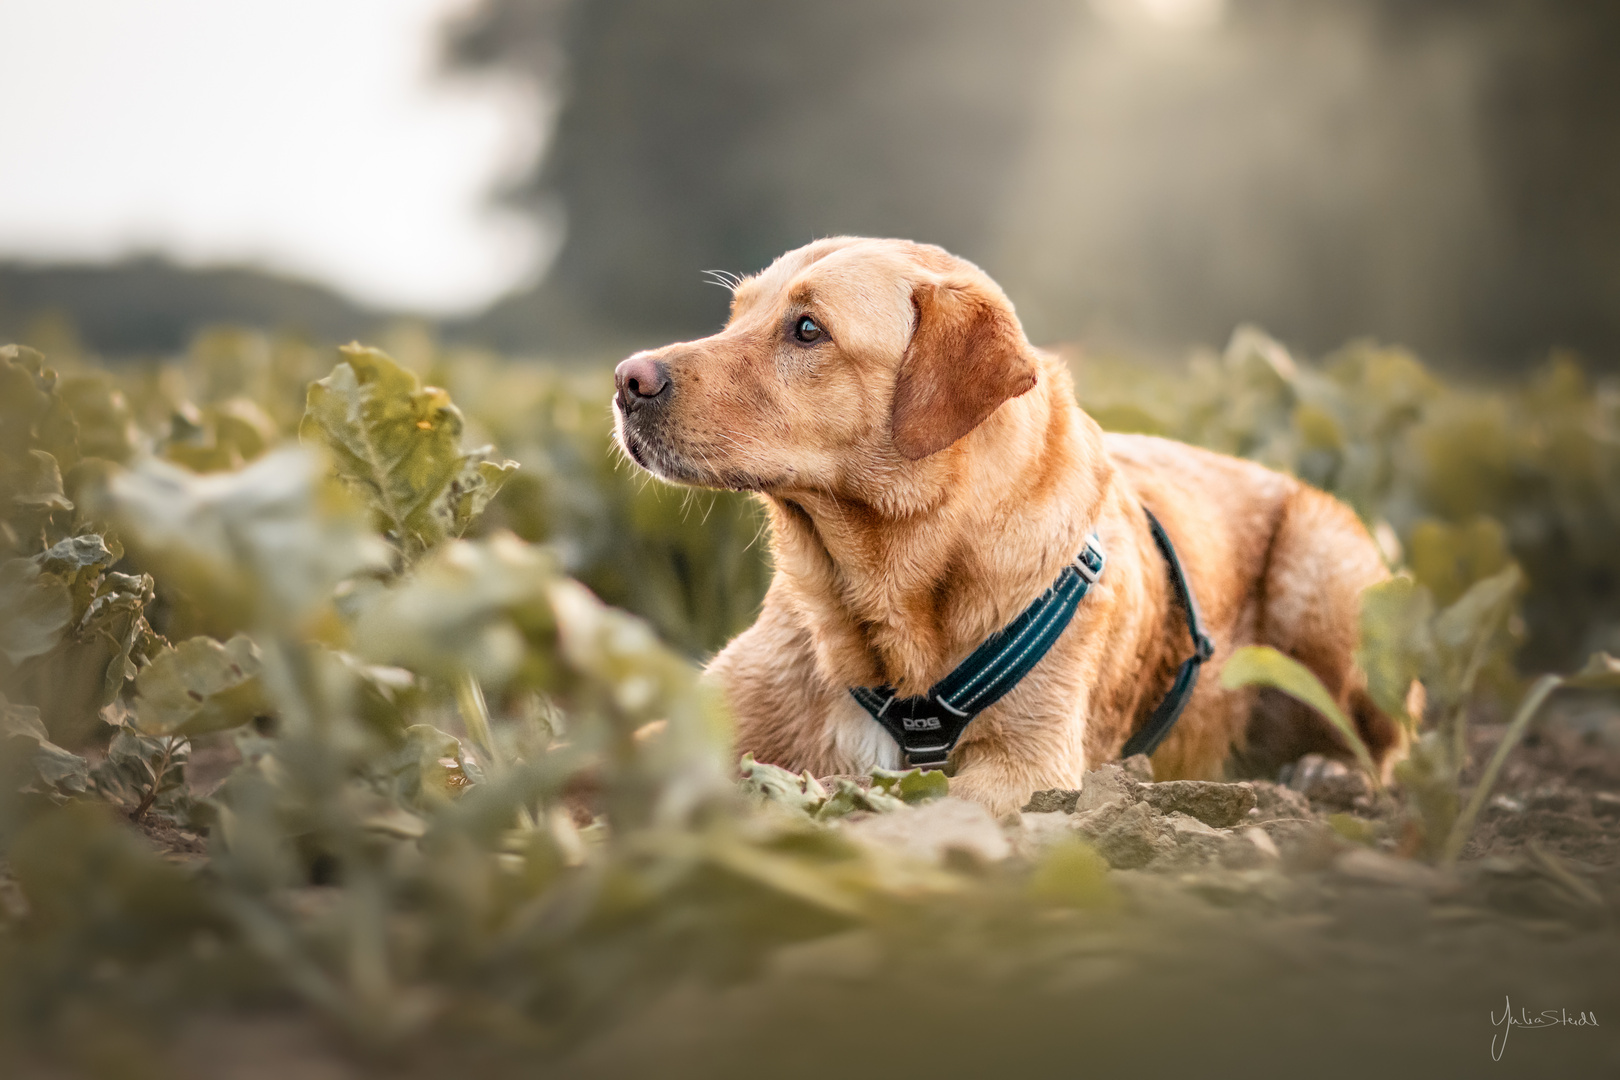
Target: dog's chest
point(859, 743)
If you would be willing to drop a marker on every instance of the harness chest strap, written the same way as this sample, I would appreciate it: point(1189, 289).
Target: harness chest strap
point(927, 727)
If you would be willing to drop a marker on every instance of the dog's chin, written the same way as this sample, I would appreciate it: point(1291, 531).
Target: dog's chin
point(673, 467)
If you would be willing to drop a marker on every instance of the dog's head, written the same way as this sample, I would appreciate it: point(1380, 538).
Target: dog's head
point(843, 363)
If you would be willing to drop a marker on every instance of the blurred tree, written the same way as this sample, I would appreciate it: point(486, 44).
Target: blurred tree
point(719, 133)
point(1446, 174)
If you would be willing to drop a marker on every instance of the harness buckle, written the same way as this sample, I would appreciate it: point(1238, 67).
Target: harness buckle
point(926, 756)
point(1205, 647)
point(1090, 561)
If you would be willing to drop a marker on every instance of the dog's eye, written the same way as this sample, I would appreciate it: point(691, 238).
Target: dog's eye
point(806, 329)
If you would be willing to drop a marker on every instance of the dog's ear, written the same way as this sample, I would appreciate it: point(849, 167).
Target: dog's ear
point(967, 355)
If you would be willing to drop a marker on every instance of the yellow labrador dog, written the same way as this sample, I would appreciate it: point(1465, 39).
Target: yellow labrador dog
point(929, 478)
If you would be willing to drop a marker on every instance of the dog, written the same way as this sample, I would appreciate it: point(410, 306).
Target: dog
point(927, 475)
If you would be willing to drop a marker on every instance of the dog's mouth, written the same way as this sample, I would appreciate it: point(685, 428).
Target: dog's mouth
point(653, 453)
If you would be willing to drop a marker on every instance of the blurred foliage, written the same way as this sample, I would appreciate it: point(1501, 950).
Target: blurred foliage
point(1456, 481)
point(468, 796)
point(468, 791)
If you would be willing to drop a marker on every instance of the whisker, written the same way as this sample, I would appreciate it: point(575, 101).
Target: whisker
point(723, 278)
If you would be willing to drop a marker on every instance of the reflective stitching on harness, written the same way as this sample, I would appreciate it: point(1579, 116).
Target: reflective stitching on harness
point(990, 674)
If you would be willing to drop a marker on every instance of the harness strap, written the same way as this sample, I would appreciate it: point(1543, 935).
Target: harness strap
point(928, 726)
point(1150, 735)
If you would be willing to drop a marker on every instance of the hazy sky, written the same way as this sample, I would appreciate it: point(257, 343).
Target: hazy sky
point(310, 136)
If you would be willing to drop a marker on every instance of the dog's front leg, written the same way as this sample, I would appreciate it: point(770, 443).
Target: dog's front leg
point(1001, 771)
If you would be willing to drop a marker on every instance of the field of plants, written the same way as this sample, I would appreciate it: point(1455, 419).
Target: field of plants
point(351, 726)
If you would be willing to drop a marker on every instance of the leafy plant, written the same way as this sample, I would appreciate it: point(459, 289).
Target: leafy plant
point(477, 801)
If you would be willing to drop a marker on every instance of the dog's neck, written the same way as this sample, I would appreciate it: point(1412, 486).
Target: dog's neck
point(899, 586)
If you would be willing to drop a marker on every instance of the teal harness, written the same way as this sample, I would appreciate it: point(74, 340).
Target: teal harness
point(928, 726)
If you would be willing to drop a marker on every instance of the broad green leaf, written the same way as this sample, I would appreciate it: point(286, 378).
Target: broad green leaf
point(772, 783)
point(1467, 626)
point(912, 785)
point(76, 553)
point(35, 609)
point(398, 442)
point(32, 414)
point(1469, 633)
point(473, 488)
point(38, 483)
point(222, 437)
point(430, 767)
point(264, 544)
point(1396, 645)
point(481, 606)
point(49, 770)
point(199, 686)
point(106, 425)
point(1261, 665)
point(847, 797)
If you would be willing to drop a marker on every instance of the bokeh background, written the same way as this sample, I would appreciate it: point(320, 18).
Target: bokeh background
point(292, 785)
point(553, 176)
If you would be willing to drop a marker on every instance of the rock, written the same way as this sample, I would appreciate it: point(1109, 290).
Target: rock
point(1104, 785)
point(1250, 849)
point(1095, 822)
point(1061, 800)
point(1329, 784)
point(1505, 804)
point(1135, 837)
point(930, 831)
point(1138, 767)
point(1606, 804)
point(1039, 830)
point(1218, 805)
point(1273, 801)
point(1194, 841)
point(1305, 843)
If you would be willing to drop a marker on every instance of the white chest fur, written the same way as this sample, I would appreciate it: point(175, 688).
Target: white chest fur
point(859, 742)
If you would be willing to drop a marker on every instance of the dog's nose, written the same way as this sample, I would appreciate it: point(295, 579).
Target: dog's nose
point(640, 379)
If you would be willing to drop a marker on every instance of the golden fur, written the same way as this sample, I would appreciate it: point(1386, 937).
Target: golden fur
point(927, 473)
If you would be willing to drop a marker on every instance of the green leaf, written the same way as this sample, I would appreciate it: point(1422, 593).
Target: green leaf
point(265, 544)
point(32, 414)
point(1601, 672)
point(1467, 626)
point(479, 606)
point(912, 785)
point(37, 483)
point(847, 797)
point(398, 443)
point(772, 783)
point(146, 774)
point(76, 553)
point(477, 483)
point(50, 770)
point(199, 686)
point(1261, 665)
point(35, 609)
point(1396, 644)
